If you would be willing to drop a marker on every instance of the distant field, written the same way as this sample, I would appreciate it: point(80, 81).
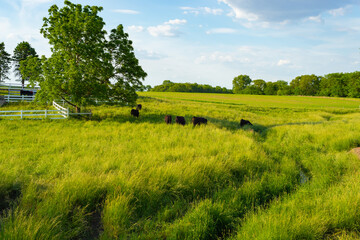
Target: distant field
point(260, 101)
point(289, 176)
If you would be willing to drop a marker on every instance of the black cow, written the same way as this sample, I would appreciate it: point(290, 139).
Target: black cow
point(139, 107)
point(180, 120)
point(168, 119)
point(198, 121)
point(244, 122)
point(26, 93)
point(135, 112)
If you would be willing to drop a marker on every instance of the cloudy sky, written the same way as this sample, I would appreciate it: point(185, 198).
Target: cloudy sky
point(212, 41)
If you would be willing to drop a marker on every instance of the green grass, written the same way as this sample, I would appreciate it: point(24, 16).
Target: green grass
point(118, 177)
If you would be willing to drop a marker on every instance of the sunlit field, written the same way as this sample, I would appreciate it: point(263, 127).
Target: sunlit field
point(291, 175)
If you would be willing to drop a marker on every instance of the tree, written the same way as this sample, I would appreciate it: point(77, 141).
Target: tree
point(271, 88)
point(21, 52)
point(84, 64)
point(5, 62)
point(354, 85)
point(306, 85)
point(334, 84)
point(240, 83)
point(283, 87)
point(126, 69)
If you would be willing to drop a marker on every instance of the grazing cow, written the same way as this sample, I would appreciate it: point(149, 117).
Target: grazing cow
point(139, 107)
point(199, 121)
point(180, 120)
point(244, 122)
point(135, 112)
point(168, 119)
point(26, 93)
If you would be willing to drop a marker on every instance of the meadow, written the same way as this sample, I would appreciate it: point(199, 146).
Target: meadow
point(291, 175)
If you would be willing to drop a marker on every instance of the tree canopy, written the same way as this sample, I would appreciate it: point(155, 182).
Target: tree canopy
point(240, 83)
point(22, 51)
point(168, 86)
point(5, 62)
point(86, 64)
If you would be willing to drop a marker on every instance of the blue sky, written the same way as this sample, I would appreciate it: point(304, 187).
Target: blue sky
point(211, 42)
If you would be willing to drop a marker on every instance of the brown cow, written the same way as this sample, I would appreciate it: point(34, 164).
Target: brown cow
point(198, 121)
point(168, 119)
point(180, 120)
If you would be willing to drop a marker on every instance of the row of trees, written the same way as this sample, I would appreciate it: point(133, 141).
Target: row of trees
point(168, 86)
point(21, 52)
point(86, 63)
point(334, 85)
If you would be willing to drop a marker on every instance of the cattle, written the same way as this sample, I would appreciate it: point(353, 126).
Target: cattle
point(199, 121)
point(135, 112)
point(244, 122)
point(180, 120)
point(168, 119)
point(26, 93)
point(139, 107)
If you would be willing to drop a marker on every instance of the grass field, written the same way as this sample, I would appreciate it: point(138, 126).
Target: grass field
point(289, 176)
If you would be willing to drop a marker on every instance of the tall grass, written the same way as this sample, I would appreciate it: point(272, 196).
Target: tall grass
point(119, 177)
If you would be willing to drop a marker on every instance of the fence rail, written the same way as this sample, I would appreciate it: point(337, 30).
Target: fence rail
point(14, 88)
point(33, 114)
point(59, 113)
point(16, 98)
point(64, 111)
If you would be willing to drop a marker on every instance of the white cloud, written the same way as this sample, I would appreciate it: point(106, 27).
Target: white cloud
point(283, 62)
point(167, 29)
point(149, 54)
point(134, 28)
point(221, 31)
point(317, 19)
point(126, 11)
point(280, 10)
point(163, 30)
point(338, 12)
point(176, 22)
point(202, 10)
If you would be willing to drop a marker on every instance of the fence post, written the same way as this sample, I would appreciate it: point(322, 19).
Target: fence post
point(45, 113)
point(68, 113)
point(8, 97)
point(21, 114)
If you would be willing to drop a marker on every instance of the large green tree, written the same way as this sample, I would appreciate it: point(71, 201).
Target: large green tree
point(5, 62)
point(334, 84)
point(354, 85)
point(22, 51)
point(240, 83)
point(86, 64)
point(308, 85)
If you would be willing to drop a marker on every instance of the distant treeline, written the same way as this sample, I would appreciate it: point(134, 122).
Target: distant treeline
point(168, 86)
point(333, 85)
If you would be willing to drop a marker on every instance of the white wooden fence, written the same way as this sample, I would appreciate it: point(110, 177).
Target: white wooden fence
point(59, 113)
point(33, 114)
point(17, 98)
point(62, 110)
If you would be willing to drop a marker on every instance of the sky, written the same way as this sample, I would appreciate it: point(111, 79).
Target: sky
point(213, 41)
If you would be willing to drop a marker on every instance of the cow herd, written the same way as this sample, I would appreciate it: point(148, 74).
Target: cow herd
point(181, 120)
